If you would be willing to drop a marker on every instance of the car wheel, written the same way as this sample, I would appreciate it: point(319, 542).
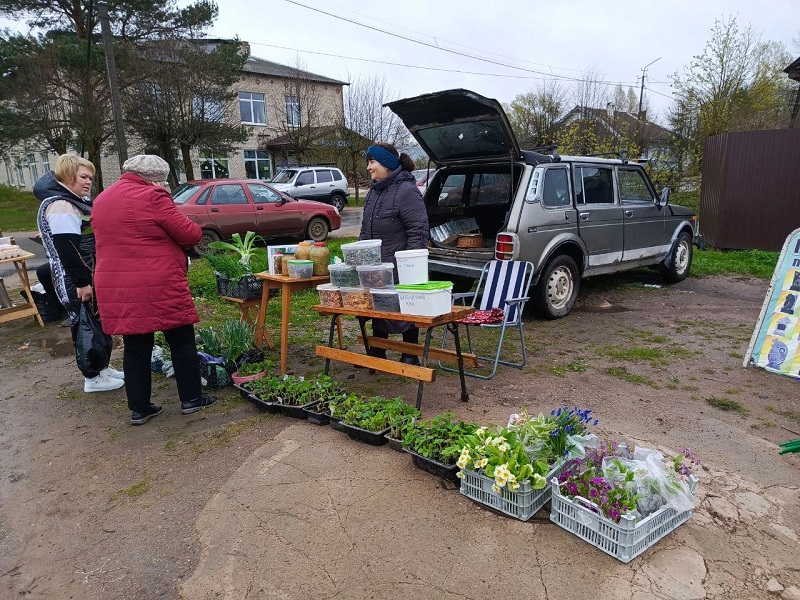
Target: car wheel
point(338, 202)
point(557, 290)
point(318, 229)
point(209, 235)
point(680, 260)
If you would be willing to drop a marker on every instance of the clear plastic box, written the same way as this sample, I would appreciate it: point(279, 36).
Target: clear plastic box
point(301, 269)
point(330, 295)
point(357, 298)
point(385, 299)
point(362, 252)
point(343, 275)
point(376, 276)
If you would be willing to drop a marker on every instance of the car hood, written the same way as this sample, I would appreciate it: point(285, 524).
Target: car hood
point(456, 126)
point(280, 186)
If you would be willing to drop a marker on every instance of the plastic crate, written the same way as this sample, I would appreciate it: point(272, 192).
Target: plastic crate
point(624, 540)
point(522, 504)
point(246, 288)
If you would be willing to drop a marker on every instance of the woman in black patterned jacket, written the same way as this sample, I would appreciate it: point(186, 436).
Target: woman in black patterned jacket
point(394, 212)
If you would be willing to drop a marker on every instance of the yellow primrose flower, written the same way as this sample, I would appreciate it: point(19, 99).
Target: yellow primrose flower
point(461, 463)
point(481, 430)
point(460, 474)
point(513, 486)
point(482, 462)
point(512, 479)
point(497, 441)
point(504, 447)
point(495, 489)
point(500, 480)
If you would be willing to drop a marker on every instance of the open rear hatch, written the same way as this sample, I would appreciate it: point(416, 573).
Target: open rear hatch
point(458, 126)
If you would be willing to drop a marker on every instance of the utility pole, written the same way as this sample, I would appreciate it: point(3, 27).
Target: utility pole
point(113, 84)
point(641, 91)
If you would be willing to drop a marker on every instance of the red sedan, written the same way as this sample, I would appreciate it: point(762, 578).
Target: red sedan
point(223, 207)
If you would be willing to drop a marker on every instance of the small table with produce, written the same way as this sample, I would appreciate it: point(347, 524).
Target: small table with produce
point(18, 258)
point(287, 285)
point(423, 374)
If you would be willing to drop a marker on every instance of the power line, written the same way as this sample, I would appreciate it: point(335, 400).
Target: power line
point(660, 94)
point(494, 62)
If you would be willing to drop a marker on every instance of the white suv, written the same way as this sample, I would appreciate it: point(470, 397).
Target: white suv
point(323, 184)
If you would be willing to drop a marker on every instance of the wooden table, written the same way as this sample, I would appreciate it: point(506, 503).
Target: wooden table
point(421, 373)
point(25, 310)
point(287, 285)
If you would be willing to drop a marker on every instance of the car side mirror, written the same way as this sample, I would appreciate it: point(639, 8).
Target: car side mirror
point(662, 201)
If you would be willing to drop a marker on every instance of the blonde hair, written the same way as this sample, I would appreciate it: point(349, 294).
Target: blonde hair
point(67, 165)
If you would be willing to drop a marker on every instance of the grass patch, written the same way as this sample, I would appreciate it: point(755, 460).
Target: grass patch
point(18, 209)
point(137, 489)
point(576, 365)
point(727, 404)
point(625, 375)
point(751, 263)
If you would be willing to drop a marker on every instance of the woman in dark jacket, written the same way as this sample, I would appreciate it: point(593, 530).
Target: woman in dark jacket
point(394, 212)
point(141, 281)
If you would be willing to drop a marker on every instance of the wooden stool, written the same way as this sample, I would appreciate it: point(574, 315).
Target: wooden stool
point(249, 313)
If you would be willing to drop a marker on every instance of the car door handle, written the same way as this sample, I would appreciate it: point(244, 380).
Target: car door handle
point(259, 208)
point(214, 210)
point(567, 215)
point(628, 213)
point(584, 216)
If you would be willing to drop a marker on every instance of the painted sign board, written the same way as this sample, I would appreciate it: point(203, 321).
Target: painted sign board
point(776, 340)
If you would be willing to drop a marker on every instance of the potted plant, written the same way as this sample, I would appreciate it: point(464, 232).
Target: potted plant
point(365, 420)
point(235, 264)
point(436, 444)
point(262, 392)
point(251, 371)
point(399, 424)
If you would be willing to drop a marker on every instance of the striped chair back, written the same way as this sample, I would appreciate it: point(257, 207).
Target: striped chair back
point(505, 279)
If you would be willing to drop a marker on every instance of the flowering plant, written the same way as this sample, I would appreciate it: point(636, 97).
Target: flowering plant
point(501, 455)
point(561, 435)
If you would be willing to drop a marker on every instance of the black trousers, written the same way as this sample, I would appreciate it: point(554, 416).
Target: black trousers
point(136, 364)
point(75, 306)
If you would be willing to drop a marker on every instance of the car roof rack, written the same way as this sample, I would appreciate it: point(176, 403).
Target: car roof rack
point(620, 154)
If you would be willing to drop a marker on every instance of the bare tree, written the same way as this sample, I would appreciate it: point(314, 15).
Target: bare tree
point(534, 114)
point(590, 91)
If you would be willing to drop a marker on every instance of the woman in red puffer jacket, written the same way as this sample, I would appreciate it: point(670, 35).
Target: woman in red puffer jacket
point(140, 281)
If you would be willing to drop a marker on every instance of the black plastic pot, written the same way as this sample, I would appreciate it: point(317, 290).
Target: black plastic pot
point(271, 407)
point(317, 418)
point(394, 443)
point(337, 424)
point(434, 467)
point(373, 438)
point(295, 411)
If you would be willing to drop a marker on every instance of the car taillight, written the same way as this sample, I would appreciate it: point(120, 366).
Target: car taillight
point(504, 247)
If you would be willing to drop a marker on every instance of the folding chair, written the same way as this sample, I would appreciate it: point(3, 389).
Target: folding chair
point(504, 285)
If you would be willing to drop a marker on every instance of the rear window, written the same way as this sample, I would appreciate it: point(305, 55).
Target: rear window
point(324, 176)
point(482, 139)
point(337, 176)
point(182, 193)
point(490, 189)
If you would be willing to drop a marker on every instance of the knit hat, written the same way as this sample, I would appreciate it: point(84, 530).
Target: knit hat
point(148, 166)
point(383, 156)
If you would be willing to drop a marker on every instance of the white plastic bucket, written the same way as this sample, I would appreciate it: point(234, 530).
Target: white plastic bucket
point(412, 266)
point(426, 303)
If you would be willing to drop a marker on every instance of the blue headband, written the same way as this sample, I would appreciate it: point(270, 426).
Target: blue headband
point(383, 156)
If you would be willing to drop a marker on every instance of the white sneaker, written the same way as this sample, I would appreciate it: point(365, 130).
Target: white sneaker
point(110, 371)
point(101, 383)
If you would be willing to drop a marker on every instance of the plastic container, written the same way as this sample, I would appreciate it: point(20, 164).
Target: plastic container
point(385, 299)
point(357, 298)
point(278, 258)
point(522, 504)
point(330, 295)
point(412, 266)
point(303, 251)
point(321, 257)
point(301, 269)
point(363, 252)
point(343, 275)
point(624, 540)
point(426, 300)
point(287, 256)
point(376, 276)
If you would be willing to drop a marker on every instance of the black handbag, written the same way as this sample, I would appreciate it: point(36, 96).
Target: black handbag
point(92, 346)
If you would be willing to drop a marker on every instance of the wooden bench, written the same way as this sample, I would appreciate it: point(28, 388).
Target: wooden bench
point(385, 365)
point(442, 354)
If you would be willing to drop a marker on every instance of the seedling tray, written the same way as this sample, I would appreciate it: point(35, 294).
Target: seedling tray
point(522, 504)
point(373, 438)
point(394, 443)
point(624, 540)
point(337, 424)
point(434, 467)
point(314, 417)
point(295, 411)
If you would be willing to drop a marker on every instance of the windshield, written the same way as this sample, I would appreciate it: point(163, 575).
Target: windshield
point(183, 192)
point(284, 176)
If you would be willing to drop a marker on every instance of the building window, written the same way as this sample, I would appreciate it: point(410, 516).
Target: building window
point(45, 162)
point(252, 108)
point(33, 167)
point(20, 172)
point(292, 111)
point(256, 164)
point(208, 110)
point(213, 167)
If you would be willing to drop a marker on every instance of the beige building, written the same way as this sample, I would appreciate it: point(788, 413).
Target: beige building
point(273, 99)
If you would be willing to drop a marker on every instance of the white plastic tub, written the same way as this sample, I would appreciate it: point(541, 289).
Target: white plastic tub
point(412, 266)
point(426, 302)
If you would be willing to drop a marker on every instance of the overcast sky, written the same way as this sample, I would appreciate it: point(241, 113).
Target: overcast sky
point(531, 40)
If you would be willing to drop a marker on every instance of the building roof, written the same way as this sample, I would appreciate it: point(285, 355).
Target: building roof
point(620, 122)
point(259, 66)
point(793, 70)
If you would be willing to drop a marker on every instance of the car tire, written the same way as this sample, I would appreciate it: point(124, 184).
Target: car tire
point(338, 201)
point(680, 259)
point(557, 289)
point(318, 229)
point(209, 235)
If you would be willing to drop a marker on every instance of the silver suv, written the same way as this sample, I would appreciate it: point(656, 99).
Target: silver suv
point(323, 184)
point(571, 216)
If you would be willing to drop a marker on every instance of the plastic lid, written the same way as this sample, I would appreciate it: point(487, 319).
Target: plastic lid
point(354, 290)
point(362, 244)
point(318, 244)
point(379, 267)
point(386, 291)
point(418, 252)
point(304, 244)
point(327, 287)
point(301, 262)
point(341, 267)
point(426, 287)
